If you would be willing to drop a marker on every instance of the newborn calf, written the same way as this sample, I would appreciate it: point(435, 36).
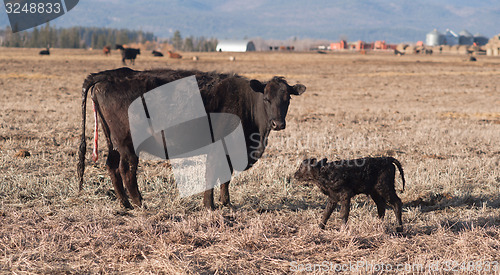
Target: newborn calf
point(341, 180)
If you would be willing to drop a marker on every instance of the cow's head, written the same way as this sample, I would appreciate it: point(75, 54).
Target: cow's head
point(276, 99)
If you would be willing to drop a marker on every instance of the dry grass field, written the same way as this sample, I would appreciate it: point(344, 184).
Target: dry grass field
point(439, 115)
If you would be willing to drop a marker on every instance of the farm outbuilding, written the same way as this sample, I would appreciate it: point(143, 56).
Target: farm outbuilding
point(235, 46)
point(493, 46)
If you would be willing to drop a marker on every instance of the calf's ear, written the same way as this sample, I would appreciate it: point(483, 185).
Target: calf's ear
point(311, 161)
point(257, 86)
point(298, 89)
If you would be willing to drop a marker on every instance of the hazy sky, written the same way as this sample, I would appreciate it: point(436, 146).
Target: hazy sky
point(394, 21)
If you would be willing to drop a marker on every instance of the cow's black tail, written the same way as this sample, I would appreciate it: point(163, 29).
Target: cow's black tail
point(89, 83)
point(398, 164)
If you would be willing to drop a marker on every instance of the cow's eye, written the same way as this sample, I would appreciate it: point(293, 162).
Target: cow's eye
point(267, 100)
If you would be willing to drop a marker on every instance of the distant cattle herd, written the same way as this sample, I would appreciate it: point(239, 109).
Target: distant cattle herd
point(129, 54)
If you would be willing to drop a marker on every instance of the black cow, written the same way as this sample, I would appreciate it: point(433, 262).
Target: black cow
point(44, 52)
point(128, 53)
point(262, 107)
point(157, 53)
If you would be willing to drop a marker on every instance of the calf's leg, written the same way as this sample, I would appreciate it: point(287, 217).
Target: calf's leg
point(380, 202)
point(387, 190)
point(345, 204)
point(397, 205)
point(331, 204)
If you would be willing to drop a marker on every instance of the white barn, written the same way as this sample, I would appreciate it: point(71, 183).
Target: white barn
point(235, 46)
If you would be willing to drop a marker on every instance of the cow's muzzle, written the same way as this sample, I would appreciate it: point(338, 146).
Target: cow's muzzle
point(278, 125)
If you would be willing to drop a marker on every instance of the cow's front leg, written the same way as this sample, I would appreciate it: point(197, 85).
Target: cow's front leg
point(224, 188)
point(208, 199)
point(208, 196)
point(224, 194)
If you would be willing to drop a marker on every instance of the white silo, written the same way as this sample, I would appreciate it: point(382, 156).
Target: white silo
point(434, 38)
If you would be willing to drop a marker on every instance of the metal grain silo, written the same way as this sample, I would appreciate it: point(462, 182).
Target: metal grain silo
point(434, 38)
point(465, 38)
point(480, 39)
point(450, 37)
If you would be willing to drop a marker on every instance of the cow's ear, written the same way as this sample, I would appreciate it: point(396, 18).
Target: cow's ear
point(257, 86)
point(298, 89)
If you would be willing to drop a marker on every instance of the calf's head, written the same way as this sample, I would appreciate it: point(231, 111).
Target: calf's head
point(277, 99)
point(309, 169)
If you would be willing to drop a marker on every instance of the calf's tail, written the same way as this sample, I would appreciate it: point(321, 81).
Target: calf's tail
point(87, 84)
point(400, 168)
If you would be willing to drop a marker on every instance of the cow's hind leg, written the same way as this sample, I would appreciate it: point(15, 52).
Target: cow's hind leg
point(112, 164)
point(128, 170)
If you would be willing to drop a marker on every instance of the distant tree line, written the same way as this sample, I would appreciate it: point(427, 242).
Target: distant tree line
point(89, 37)
point(192, 44)
point(75, 37)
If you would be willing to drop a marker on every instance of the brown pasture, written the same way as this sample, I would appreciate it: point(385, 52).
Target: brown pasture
point(438, 115)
